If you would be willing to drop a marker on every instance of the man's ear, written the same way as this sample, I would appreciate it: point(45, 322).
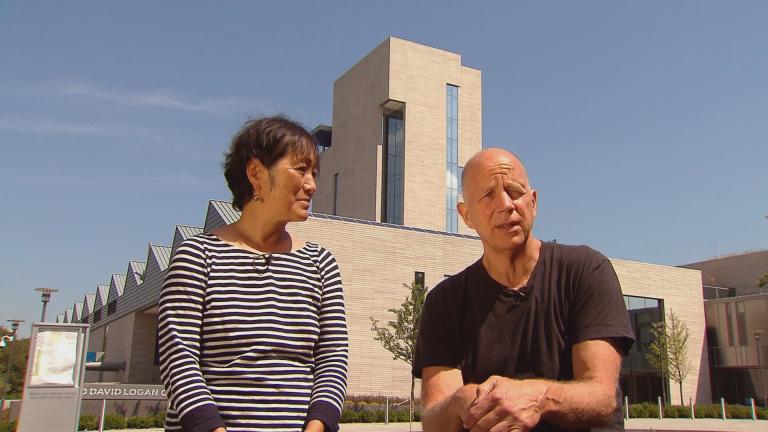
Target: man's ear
point(534, 201)
point(464, 212)
point(257, 175)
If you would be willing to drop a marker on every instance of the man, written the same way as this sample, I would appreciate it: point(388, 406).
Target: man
point(530, 337)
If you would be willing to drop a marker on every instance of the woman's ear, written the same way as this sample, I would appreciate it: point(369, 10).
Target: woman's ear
point(257, 175)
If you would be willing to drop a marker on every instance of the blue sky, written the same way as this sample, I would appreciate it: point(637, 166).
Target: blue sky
point(644, 125)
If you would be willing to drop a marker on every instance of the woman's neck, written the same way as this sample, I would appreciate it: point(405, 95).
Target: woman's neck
point(261, 234)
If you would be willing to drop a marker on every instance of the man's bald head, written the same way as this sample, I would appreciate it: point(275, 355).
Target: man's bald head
point(487, 157)
point(498, 203)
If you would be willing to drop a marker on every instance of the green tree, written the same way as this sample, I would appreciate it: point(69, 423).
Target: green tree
point(18, 364)
point(669, 351)
point(657, 354)
point(762, 282)
point(399, 335)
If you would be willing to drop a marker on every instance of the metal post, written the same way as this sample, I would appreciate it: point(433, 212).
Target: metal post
point(722, 407)
point(661, 415)
point(386, 412)
point(693, 410)
point(46, 293)
point(103, 410)
point(626, 407)
point(752, 404)
point(759, 363)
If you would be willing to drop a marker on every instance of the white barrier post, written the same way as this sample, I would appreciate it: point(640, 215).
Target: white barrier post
point(661, 412)
point(752, 403)
point(693, 410)
point(722, 407)
point(386, 412)
point(103, 410)
point(626, 407)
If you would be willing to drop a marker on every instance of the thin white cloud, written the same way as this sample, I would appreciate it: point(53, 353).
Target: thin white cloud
point(171, 179)
point(157, 99)
point(48, 127)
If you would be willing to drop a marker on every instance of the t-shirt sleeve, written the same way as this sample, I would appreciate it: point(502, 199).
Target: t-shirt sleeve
point(438, 343)
point(180, 323)
point(598, 309)
point(331, 350)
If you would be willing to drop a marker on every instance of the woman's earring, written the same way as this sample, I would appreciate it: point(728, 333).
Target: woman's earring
point(256, 197)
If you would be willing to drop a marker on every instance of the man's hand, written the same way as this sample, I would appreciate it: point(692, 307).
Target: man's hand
point(505, 404)
point(219, 430)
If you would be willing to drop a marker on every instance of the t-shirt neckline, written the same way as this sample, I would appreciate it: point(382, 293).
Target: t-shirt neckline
point(303, 249)
point(525, 289)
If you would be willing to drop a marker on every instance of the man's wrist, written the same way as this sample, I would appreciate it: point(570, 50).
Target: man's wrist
point(462, 398)
point(549, 402)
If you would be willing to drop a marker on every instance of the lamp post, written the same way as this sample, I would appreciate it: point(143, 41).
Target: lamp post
point(760, 365)
point(46, 292)
point(14, 326)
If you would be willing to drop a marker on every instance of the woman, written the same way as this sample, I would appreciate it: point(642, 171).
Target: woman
point(252, 331)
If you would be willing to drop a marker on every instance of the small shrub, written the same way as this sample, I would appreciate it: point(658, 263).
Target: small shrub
point(644, 410)
point(159, 419)
point(89, 422)
point(675, 411)
point(398, 416)
point(8, 426)
point(683, 411)
point(114, 421)
point(366, 417)
point(670, 411)
point(762, 413)
point(738, 412)
point(708, 411)
point(140, 422)
point(349, 416)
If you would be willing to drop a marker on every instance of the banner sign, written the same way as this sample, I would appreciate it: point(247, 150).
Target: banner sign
point(122, 392)
point(55, 357)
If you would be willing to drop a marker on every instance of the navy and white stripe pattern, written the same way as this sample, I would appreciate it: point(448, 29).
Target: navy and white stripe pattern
point(252, 342)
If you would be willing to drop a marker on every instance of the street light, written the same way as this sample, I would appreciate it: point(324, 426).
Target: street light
point(6, 383)
point(46, 298)
point(760, 365)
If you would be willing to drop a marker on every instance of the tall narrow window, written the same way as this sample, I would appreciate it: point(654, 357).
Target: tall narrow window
point(451, 158)
point(418, 278)
point(394, 143)
point(336, 193)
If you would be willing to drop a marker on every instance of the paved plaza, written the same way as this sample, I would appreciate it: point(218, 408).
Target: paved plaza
point(633, 425)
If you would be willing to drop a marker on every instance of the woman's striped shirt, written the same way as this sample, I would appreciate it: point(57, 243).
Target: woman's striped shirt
point(252, 342)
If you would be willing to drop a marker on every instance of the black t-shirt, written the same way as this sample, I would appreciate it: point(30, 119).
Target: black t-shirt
point(473, 323)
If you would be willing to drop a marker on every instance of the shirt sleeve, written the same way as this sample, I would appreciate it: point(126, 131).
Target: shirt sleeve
point(439, 339)
point(331, 349)
point(598, 310)
point(179, 335)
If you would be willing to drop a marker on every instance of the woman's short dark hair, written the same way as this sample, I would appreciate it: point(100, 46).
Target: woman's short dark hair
point(266, 139)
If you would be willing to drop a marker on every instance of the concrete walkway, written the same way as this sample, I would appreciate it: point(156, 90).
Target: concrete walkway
point(633, 425)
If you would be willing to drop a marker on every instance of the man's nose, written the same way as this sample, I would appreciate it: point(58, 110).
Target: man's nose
point(506, 203)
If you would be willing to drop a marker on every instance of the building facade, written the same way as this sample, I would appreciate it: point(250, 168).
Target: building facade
point(406, 118)
point(737, 324)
